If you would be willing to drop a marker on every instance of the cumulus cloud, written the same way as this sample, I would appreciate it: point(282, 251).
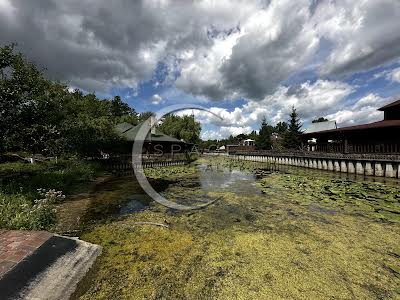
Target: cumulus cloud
point(394, 75)
point(246, 118)
point(156, 99)
point(224, 132)
point(365, 33)
point(365, 110)
point(320, 98)
point(216, 49)
point(310, 99)
point(96, 47)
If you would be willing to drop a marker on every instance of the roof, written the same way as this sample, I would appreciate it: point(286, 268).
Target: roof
point(321, 126)
point(123, 127)
point(375, 125)
point(130, 134)
point(390, 105)
point(249, 140)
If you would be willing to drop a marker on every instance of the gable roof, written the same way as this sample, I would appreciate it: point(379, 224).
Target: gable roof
point(390, 105)
point(321, 126)
point(130, 133)
point(123, 127)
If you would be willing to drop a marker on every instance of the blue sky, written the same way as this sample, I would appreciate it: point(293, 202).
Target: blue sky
point(244, 60)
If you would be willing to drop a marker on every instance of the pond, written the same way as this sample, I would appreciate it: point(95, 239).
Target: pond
point(273, 234)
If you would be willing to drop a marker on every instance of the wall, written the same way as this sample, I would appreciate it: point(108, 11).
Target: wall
point(378, 167)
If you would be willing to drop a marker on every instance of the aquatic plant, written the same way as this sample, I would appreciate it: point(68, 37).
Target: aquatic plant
point(306, 237)
point(170, 172)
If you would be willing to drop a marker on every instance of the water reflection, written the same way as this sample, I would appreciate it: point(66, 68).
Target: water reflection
point(136, 203)
point(214, 178)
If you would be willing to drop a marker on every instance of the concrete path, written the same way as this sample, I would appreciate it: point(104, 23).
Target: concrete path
point(40, 265)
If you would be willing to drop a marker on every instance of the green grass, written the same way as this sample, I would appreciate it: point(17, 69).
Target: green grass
point(19, 194)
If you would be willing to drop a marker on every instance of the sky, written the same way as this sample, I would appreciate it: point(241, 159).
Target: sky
point(244, 60)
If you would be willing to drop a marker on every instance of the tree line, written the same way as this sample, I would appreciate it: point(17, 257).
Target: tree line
point(287, 134)
point(38, 115)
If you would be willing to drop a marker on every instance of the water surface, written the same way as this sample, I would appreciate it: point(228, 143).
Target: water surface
point(272, 235)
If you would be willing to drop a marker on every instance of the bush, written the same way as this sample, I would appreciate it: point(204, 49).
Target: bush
point(18, 212)
point(28, 192)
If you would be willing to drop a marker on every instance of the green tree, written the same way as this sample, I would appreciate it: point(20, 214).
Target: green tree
point(281, 128)
point(186, 128)
point(263, 140)
point(292, 138)
point(30, 105)
point(320, 119)
point(145, 115)
point(41, 116)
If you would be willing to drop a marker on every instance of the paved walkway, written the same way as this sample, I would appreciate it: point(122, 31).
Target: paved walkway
point(42, 265)
point(17, 245)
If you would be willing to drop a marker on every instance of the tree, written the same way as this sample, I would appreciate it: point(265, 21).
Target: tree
point(38, 115)
point(281, 128)
point(145, 115)
point(263, 140)
point(122, 112)
point(186, 128)
point(320, 119)
point(292, 138)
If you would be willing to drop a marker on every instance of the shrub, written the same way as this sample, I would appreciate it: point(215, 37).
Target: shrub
point(18, 212)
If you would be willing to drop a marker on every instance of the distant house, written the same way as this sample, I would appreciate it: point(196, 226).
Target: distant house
point(245, 145)
point(378, 137)
point(154, 142)
point(249, 142)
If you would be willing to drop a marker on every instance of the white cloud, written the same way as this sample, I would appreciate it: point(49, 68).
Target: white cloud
point(269, 45)
point(212, 50)
point(7, 9)
point(394, 75)
point(365, 33)
point(311, 100)
point(156, 99)
point(365, 110)
point(224, 132)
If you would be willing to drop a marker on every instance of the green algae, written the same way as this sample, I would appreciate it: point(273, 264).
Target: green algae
point(170, 173)
point(307, 237)
point(370, 199)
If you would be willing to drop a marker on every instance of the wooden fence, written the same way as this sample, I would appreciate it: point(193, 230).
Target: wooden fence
point(123, 163)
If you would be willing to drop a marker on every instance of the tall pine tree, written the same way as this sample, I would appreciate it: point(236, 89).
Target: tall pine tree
point(292, 138)
point(263, 140)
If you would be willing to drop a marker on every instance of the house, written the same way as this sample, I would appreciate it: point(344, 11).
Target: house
point(155, 142)
point(245, 145)
point(377, 137)
point(249, 142)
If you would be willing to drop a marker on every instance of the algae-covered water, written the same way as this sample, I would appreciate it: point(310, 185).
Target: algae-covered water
point(288, 234)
